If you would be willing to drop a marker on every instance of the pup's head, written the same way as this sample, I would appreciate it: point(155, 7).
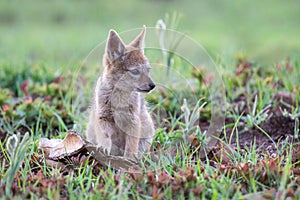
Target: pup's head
point(127, 64)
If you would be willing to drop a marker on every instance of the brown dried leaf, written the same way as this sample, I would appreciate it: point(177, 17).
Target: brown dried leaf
point(56, 149)
point(224, 154)
point(163, 179)
point(198, 190)
point(296, 154)
point(73, 144)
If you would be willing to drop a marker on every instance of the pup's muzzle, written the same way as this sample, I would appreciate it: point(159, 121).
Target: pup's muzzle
point(146, 88)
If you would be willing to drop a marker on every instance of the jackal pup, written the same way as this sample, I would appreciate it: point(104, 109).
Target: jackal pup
point(119, 121)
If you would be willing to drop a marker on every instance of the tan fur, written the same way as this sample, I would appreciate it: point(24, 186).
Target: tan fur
point(119, 121)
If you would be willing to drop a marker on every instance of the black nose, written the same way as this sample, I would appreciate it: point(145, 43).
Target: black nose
point(151, 85)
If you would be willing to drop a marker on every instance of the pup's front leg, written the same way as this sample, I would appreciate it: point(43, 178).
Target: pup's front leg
point(132, 139)
point(129, 124)
point(131, 146)
point(99, 131)
point(105, 131)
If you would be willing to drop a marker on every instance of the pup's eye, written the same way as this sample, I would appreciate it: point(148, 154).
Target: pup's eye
point(135, 72)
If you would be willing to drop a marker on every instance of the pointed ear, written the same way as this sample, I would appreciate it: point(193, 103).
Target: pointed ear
point(139, 41)
point(115, 47)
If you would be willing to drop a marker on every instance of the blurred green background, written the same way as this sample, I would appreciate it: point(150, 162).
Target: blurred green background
point(59, 32)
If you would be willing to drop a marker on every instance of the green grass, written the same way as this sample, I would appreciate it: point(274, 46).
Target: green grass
point(65, 32)
point(178, 173)
point(45, 90)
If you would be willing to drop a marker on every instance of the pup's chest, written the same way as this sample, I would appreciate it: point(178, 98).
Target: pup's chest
point(135, 104)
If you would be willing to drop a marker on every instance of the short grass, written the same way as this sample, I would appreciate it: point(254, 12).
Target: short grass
point(59, 32)
point(42, 77)
point(40, 102)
